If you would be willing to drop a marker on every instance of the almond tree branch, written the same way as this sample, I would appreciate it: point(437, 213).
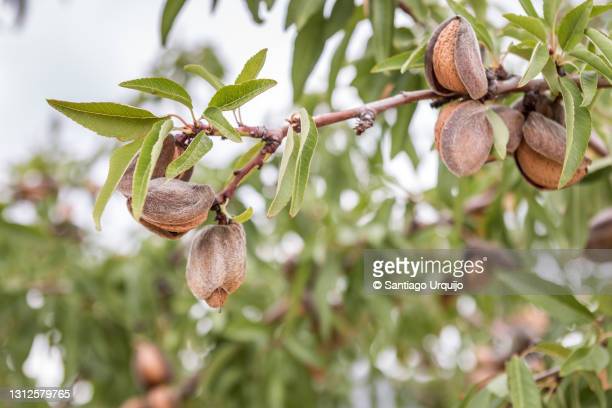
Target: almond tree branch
point(274, 137)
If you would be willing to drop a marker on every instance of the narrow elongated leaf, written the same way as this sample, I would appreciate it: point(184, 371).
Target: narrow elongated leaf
point(528, 7)
point(563, 307)
point(341, 16)
point(245, 158)
point(216, 118)
point(171, 11)
point(524, 392)
point(107, 118)
point(244, 216)
point(120, 159)
point(300, 11)
point(601, 41)
point(198, 147)
point(205, 74)
point(550, 8)
point(149, 153)
point(599, 9)
point(307, 49)
point(551, 76)
point(572, 25)
point(578, 129)
point(539, 58)
point(532, 25)
point(415, 59)
point(286, 174)
point(393, 63)
point(338, 58)
point(252, 67)
point(400, 135)
point(588, 83)
point(381, 16)
point(501, 134)
point(309, 135)
point(481, 30)
point(162, 87)
point(594, 359)
point(595, 61)
point(231, 97)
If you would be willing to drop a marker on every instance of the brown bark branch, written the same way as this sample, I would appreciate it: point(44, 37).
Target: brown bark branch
point(274, 137)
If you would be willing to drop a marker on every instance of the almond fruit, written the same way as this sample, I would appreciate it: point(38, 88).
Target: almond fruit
point(453, 63)
point(150, 365)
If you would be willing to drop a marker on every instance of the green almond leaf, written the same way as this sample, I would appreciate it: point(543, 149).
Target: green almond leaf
point(532, 25)
point(198, 147)
point(551, 76)
point(602, 42)
point(529, 9)
point(107, 118)
point(524, 392)
point(564, 308)
point(162, 87)
point(382, 13)
point(120, 159)
point(299, 12)
point(149, 153)
point(593, 359)
point(252, 67)
point(572, 25)
point(550, 8)
point(539, 58)
point(415, 60)
point(595, 61)
point(599, 9)
point(481, 31)
point(501, 135)
point(245, 158)
point(205, 74)
point(231, 97)
point(393, 63)
point(286, 174)
point(552, 349)
point(338, 58)
point(309, 135)
point(307, 49)
point(216, 118)
point(244, 216)
point(578, 129)
point(522, 49)
point(171, 10)
point(588, 83)
point(514, 31)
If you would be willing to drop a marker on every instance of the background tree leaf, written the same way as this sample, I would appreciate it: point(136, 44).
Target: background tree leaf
point(198, 147)
point(119, 161)
point(252, 67)
point(393, 63)
point(299, 12)
point(382, 13)
point(572, 25)
point(205, 74)
point(171, 11)
point(151, 147)
point(215, 117)
point(107, 118)
point(231, 97)
point(286, 174)
point(501, 134)
point(162, 87)
point(309, 135)
point(593, 358)
point(481, 31)
point(307, 49)
point(524, 392)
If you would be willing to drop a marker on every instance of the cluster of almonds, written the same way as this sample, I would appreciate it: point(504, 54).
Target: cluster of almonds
point(153, 372)
point(463, 135)
point(173, 207)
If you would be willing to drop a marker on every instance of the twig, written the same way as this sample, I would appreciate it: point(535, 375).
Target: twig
point(274, 137)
